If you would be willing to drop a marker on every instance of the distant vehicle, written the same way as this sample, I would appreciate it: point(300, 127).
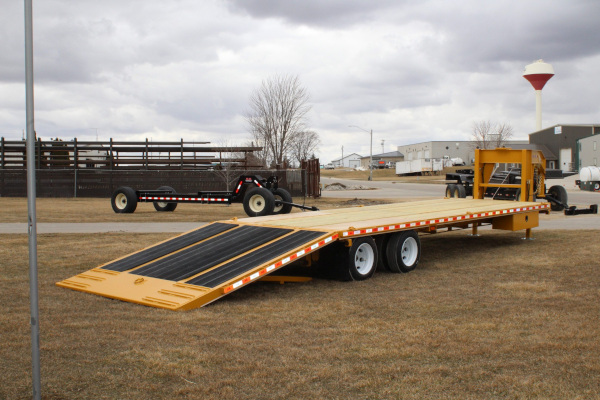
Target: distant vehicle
point(589, 178)
point(451, 162)
point(422, 166)
point(381, 164)
point(329, 166)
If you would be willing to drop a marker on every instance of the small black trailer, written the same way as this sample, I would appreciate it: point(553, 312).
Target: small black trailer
point(259, 196)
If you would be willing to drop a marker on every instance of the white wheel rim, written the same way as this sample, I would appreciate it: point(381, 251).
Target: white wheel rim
point(278, 207)
point(409, 252)
point(257, 203)
point(121, 201)
point(162, 204)
point(364, 259)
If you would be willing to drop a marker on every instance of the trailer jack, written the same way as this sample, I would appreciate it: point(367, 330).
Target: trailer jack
point(573, 210)
point(593, 209)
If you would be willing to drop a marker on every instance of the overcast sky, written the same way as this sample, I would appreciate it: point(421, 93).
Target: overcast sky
point(411, 71)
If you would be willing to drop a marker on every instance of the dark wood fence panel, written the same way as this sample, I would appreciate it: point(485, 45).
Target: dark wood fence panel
point(312, 177)
point(101, 183)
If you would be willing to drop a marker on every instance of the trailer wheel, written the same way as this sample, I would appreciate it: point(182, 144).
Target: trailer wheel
point(283, 195)
point(382, 241)
point(362, 258)
point(450, 189)
point(258, 202)
point(560, 194)
point(163, 205)
point(460, 191)
point(403, 251)
point(124, 200)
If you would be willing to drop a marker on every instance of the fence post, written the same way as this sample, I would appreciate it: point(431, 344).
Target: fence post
point(75, 156)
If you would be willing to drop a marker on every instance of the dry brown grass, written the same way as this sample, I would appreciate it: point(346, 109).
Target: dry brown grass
point(99, 210)
point(486, 317)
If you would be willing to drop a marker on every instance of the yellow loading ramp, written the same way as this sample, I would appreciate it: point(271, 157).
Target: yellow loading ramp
point(200, 266)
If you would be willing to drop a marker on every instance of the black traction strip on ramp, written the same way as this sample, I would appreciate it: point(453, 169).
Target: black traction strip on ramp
point(214, 251)
point(162, 249)
point(252, 260)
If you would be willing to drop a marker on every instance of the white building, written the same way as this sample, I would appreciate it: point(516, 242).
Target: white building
point(464, 149)
point(349, 161)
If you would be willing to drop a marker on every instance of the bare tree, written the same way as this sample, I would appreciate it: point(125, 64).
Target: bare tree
point(229, 166)
point(278, 115)
point(305, 145)
point(489, 135)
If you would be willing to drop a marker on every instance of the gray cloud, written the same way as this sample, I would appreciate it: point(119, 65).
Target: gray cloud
point(410, 71)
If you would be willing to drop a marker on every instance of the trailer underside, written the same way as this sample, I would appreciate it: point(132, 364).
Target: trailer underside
point(200, 266)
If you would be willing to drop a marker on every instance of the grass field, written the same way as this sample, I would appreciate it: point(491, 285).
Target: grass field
point(99, 210)
point(481, 317)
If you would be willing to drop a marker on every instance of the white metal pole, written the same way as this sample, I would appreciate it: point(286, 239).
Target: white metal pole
point(371, 158)
point(538, 110)
point(31, 195)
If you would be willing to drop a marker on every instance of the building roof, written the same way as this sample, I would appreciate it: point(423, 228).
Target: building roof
point(349, 155)
point(563, 125)
point(548, 155)
point(390, 154)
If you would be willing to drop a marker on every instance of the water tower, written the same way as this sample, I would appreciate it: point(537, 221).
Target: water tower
point(538, 74)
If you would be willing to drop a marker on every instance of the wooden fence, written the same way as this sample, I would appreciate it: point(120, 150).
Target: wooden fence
point(96, 169)
point(74, 154)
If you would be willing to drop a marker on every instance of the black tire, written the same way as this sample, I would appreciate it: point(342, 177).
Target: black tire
point(381, 241)
point(403, 251)
point(560, 194)
point(124, 200)
point(361, 261)
point(163, 205)
point(460, 191)
point(259, 202)
point(284, 195)
point(450, 189)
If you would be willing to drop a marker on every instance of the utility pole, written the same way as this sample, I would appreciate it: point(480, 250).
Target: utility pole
point(370, 151)
point(31, 196)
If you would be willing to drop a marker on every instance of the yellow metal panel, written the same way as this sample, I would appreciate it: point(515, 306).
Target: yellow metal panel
point(517, 222)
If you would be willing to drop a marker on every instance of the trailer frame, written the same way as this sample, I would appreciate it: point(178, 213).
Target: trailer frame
point(259, 196)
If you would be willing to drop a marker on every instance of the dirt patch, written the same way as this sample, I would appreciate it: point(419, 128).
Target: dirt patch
point(341, 186)
point(362, 202)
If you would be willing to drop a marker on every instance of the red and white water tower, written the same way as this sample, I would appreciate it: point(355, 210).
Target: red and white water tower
point(538, 74)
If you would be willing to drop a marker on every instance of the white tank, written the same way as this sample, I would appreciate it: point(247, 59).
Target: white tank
point(591, 173)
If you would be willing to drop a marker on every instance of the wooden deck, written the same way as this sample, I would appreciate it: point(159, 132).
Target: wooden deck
point(360, 218)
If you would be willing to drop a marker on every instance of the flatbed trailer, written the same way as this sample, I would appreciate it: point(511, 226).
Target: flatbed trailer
point(259, 196)
point(198, 267)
